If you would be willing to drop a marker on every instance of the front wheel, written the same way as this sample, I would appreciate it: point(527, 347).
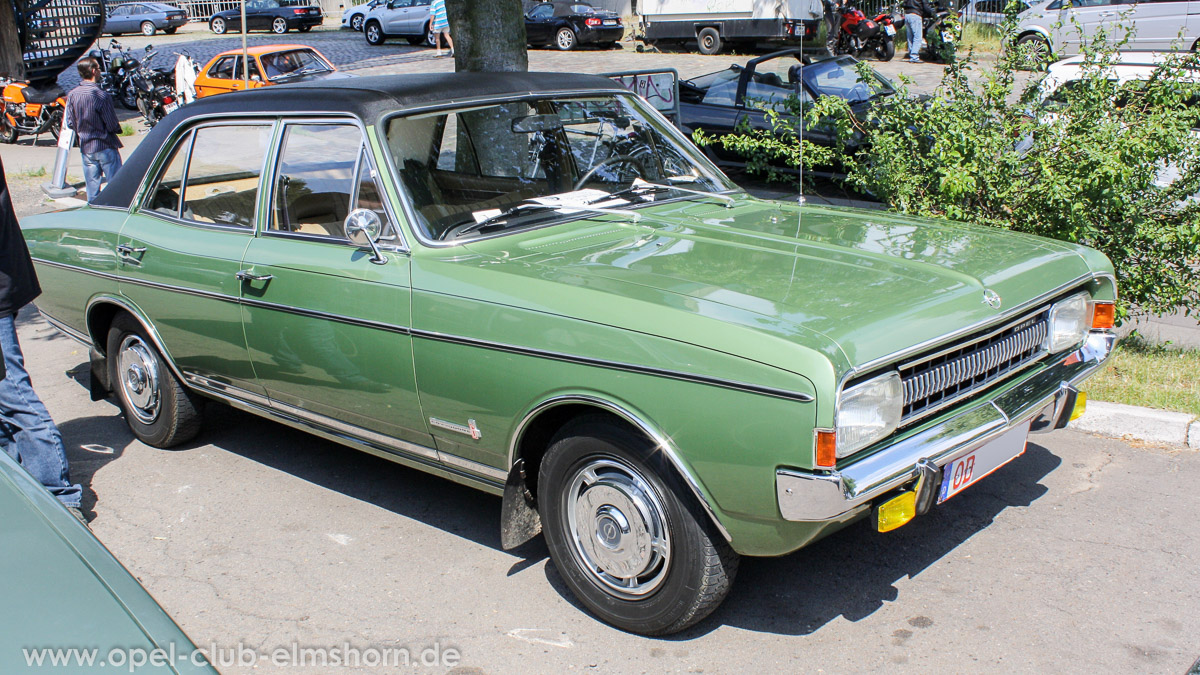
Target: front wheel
point(148, 28)
point(218, 26)
point(1034, 52)
point(279, 26)
point(565, 39)
point(159, 411)
point(8, 133)
point(374, 34)
point(623, 541)
point(129, 96)
point(356, 22)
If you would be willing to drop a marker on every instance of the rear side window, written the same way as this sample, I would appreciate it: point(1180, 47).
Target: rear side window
point(223, 68)
point(212, 176)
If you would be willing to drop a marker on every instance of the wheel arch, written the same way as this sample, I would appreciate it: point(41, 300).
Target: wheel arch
point(102, 310)
point(531, 438)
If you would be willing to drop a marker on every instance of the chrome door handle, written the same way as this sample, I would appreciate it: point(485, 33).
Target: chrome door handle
point(247, 275)
point(127, 250)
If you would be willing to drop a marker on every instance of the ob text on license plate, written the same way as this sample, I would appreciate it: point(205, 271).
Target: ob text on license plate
point(971, 467)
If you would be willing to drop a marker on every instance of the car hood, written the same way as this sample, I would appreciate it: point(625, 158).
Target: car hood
point(871, 283)
point(70, 590)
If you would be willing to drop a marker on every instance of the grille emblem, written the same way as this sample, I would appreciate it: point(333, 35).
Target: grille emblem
point(991, 298)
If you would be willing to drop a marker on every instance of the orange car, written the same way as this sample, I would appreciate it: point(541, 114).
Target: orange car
point(271, 64)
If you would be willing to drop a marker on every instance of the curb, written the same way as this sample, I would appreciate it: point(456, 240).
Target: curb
point(1118, 420)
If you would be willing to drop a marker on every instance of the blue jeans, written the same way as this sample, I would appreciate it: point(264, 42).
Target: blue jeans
point(915, 26)
point(27, 433)
point(107, 162)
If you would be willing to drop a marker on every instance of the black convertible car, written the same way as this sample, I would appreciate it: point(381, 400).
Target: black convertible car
point(719, 101)
point(277, 16)
point(565, 25)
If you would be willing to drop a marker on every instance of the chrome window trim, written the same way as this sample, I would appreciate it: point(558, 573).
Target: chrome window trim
point(406, 200)
point(265, 230)
point(661, 441)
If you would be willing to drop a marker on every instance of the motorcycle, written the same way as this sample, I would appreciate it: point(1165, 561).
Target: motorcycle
point(942, 33)
point(861, 36)
point(155, 88)
point(117, 65)
point(29, 111)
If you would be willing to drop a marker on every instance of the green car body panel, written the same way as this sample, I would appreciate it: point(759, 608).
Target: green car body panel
point(64, 590)
point(724, 330)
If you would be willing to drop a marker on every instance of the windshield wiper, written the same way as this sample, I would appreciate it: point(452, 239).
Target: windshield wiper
point(526, 206)
point(640, 187)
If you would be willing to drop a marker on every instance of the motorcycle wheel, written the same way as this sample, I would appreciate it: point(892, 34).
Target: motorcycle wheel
point(129, 96)
point(8, 133)
point(56, 124)
point(885, 50)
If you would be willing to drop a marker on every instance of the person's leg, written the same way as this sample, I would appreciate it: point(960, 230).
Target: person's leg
point(91, 175)
point(913, 26)
point(110, 163)
point(449, 41)
point(833, 25)
point(28, 434)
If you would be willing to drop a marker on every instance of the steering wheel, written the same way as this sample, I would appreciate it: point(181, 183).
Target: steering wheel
point(622, 159)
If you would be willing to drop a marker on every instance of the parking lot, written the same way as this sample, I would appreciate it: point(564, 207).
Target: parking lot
point(1079, 556)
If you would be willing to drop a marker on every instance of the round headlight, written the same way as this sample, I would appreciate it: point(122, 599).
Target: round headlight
point(868, 412)
point(1069, 322)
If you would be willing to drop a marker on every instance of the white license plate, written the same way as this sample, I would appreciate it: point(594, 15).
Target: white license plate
point(170, 108)
point(610, 23)
point(890, 30)
point(968, 469)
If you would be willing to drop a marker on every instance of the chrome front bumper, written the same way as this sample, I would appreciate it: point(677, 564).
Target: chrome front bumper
point(1045, 400)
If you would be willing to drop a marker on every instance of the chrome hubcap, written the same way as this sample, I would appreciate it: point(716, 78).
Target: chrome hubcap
point(618, 528)
point(280, 25)
point(565, 39)
point(137, 370)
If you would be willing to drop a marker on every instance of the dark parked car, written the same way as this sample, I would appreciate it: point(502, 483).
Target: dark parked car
point(566, 25)
point(719, 101)
point(277, 16)
point(146, 18)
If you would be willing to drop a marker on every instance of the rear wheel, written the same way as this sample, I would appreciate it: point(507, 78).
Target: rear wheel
point(217, 25)
point(304, 29)
point(279, 26)
point(373, 32)
point(565, 39)
point(148, 28)
point(622, 539)
point(709, 40)
point(885, 50)
point(1034, 52)
point(159, 411)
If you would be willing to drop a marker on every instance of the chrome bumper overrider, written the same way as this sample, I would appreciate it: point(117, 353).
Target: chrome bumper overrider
point(1046, 399)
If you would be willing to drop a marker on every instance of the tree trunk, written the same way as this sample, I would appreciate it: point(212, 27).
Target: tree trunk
point(489, 35)
point(12, 62)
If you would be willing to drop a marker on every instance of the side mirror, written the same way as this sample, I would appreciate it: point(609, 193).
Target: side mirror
point(149, 49)
point(363, 228)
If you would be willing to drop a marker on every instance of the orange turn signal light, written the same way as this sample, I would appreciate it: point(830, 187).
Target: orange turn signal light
point(826, 448)
point(1104, 315)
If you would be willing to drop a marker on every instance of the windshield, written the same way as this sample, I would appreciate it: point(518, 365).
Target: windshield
point(839, 77)
point(294, 62)
point(546, 159)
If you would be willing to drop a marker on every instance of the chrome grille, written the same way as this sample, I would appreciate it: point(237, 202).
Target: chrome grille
point(936, 381)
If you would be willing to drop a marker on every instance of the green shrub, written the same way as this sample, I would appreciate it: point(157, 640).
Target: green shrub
point(1083, 170)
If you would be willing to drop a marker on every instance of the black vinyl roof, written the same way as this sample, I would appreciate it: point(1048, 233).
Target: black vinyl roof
point(367, 98)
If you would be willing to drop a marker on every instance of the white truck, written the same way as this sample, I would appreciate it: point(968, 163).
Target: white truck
point(713, 23)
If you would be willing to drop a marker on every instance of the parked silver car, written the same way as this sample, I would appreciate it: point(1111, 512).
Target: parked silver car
point(1061, 25)
point(354, 15)
point(408, 19)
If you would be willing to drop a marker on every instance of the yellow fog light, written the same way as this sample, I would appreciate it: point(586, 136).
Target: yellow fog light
point(896, 511)
point(1080, 405)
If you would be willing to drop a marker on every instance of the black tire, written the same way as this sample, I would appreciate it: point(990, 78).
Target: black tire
point(374, 34)
point(356, 22)
point(148, 28)
point(8, 133)
point(708, 40)
point(128, 96)
point(170, 31)
point(565, 39)
point(1034, 51)
point(164, 413)
point(886, 50)
point(279, 25)
point(304, 29)
point(680, 567)
point(217, 25)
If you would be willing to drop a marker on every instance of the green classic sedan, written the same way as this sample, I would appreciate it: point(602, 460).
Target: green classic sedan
point(534, 285)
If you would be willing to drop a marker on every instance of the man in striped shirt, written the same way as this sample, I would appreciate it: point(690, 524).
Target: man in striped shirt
point(91, 114)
